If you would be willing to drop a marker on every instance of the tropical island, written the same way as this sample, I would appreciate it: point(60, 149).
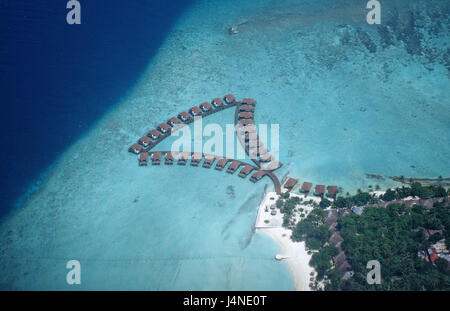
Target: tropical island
point(406, 229)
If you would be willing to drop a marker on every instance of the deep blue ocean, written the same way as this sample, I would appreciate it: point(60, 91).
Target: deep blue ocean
point(57, 79)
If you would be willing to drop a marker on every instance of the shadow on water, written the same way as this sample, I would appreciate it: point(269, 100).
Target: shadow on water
point(58, 79)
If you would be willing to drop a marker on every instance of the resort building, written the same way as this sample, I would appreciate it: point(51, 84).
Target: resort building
point(163, 128)
point(195, 111)
point(247, 122)
point(154, 134)
point(233, 166)
point(221, 163)
point(249, 101)
point(319, 190)
point(209, 160)
point(183, 157)
point(246, 115)
point(290, 183)
point(229, 98)
point(246, 170)
point(169, 158)
point(247, 108)
point(217, 102)
point(196, 158)
point(143, 158)
point(184, 116)
point(205, 107)
point(156, 158)
point(144, 141)
point(257, 176)
point(265, 157)
point(332, 190)
point(173, 121)
point(306, 187)
point(135, 148)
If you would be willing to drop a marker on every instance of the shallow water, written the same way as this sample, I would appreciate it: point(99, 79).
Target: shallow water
point(351, 99)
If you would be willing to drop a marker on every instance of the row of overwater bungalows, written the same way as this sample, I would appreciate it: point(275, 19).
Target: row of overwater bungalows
point(147, 142)
point(319, 190)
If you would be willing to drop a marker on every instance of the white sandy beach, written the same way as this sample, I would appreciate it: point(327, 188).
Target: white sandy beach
point(296, 256)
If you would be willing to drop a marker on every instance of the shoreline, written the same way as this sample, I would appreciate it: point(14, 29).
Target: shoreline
point(295, 255)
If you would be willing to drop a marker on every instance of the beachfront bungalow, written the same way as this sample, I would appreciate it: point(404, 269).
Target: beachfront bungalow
point(246, 170)
point(306, 187)
point(205, 107)
point(183, 157)
point(209, 160)
point(265, 157)
point(196, 158)
point(290, 183)
point(319, 190)
point(332, 190)
point(257, 176)
point(234, 166)
point(169, 158)
point(247, 108)
point(143, 158)
point(184, 116)
point(221, 163)
point(154, 134)
point(173, 121)
point(163, 128)
point(432, 254)
point(195, 111)
point(144, 141)
point(156, 158)
point(135, 148)
point(217, 102)
point(229, 98)
point(245, 122)
point(249, 101)
point(336, 239)
point(246, 115)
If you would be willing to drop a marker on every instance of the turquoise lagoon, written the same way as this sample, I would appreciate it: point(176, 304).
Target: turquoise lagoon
point(351, 99)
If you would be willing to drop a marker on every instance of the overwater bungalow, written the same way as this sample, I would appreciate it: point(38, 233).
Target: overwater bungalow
point(221, 163)
point(266, 157)
point(246, 170)
point(143, 158)
point(332, 191)
point(183, 157)
point(246, 115)
point(306, 187)
point(234, 165)
point(248, 129)
point(156, 158)
point(273, 166)
point(205, 107)
point(196, 158)
point(135, 148)
point(195, 111)
point(245, 122)
point(144, 141)
point(251, 136)
point(184, 116)
point(261, 150)
point(248, 108)
point(169, 158)
point(290, 183)
point(154, 134)
point(173, 121)
point(319, 190)
point(209, 160)
point(217, 102)
point(257, 176)
point(255, 144)
point(163, 128)
point(229, 98)
point(249, 101)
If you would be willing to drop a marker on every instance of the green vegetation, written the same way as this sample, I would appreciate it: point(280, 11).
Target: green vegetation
point(416, 189)
point(287, 207)
point(361, 198)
